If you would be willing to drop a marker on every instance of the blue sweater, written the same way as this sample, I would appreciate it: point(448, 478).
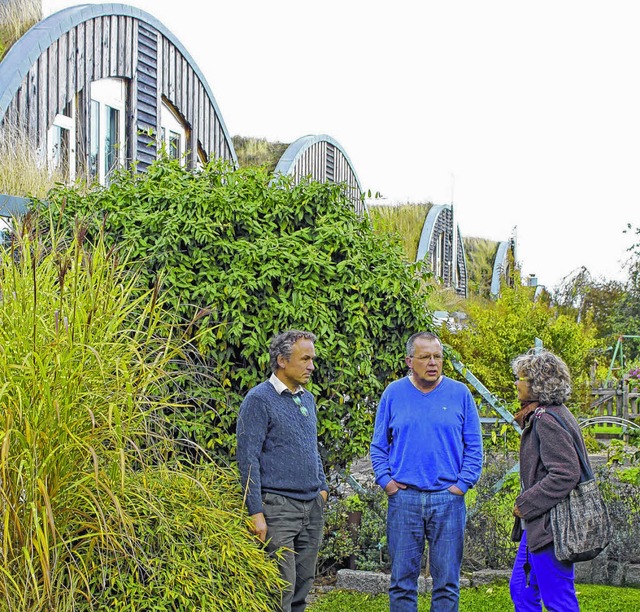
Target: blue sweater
point(428, 441)
point(277, 447)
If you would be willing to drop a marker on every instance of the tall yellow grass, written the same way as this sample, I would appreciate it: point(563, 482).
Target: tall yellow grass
point(95, 513)
point(23, 171)
point(16, 17)
point(258, 152)
point(404, 220)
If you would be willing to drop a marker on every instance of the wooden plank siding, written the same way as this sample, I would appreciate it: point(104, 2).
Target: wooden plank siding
point(146, 96)
point(440, 240)
point(91, 42)
point(445, 224)
point(325, 162)
point(322, 159)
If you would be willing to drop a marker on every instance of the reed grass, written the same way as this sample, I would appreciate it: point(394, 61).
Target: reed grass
point(404, 220)
point(480, 254)
point(96, 512)
point(258, 152)
point(23, 171)
point(16, 17)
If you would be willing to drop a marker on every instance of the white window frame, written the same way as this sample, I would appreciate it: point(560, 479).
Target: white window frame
point(6, 227)
point(62, 123)
point(108, 97)
point(172, 130)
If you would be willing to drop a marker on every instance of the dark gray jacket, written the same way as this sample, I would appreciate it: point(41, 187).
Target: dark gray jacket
point(549, 470)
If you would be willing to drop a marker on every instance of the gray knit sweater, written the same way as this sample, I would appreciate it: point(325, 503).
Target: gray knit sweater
point(277, 447)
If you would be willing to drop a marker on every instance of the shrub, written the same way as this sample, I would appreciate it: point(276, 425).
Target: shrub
point(258, 256)
point(622, 494)
point(363, 542)
point(490, 519)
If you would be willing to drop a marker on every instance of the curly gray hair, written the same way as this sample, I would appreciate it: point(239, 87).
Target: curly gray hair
point(548, 376)
point(282, 344)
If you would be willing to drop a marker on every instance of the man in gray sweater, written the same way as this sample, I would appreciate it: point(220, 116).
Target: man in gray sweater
point(280, 466)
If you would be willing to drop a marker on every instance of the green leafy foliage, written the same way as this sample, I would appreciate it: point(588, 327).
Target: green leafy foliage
point(611, 307)
point(490, 519)
point(499, 331)
point(620, 490)
point(355, 530)
point(252, 256)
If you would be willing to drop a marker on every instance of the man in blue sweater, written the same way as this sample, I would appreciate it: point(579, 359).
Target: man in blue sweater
point(426, 453)
point(280, 466)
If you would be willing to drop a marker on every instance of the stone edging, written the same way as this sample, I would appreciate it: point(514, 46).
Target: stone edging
point(378, 582)
point(599, 571)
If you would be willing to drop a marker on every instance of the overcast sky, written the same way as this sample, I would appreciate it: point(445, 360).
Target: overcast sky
point(525, 115)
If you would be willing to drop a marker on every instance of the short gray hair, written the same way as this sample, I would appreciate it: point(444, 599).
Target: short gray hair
point(411, 342)
point(282, 344)
point(548, 376)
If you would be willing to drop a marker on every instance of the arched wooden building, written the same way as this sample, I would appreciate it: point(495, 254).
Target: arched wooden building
point(323, 159)
point(504, 265)
point(441, 243)
point(103, 85)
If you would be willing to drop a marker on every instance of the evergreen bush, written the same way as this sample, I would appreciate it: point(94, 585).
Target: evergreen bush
point(252, 256)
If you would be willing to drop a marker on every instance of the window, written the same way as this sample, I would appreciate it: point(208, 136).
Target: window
point(172, 134)
point(5, 231)
point(61, 144)
point(438, 257)
point(107, 128)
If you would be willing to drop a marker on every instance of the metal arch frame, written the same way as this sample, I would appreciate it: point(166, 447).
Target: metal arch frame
point(427, 230)
point(297, 148)
point(609, 420)
point(25, 52)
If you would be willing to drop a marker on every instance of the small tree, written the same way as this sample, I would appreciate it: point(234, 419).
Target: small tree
point(498, 331)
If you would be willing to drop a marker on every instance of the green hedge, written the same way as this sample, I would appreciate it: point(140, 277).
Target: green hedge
point(248, 256)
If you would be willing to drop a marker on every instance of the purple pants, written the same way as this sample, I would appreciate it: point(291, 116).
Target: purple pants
point(550, 582)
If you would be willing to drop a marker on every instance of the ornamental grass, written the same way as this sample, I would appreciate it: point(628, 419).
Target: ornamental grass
point(96, 510)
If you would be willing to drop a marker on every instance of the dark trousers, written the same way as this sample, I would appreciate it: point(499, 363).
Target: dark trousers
point(296, 526)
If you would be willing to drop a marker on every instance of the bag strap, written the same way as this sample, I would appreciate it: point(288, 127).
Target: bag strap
point(585, 471)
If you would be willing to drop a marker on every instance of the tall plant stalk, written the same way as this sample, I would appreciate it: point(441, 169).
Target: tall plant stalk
point(94, 514)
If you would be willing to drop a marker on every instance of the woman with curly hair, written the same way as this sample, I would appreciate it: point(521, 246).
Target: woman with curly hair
point(549, 470)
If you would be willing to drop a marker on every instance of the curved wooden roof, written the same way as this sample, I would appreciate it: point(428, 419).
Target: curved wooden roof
point(64, 52)
point(323, 159)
